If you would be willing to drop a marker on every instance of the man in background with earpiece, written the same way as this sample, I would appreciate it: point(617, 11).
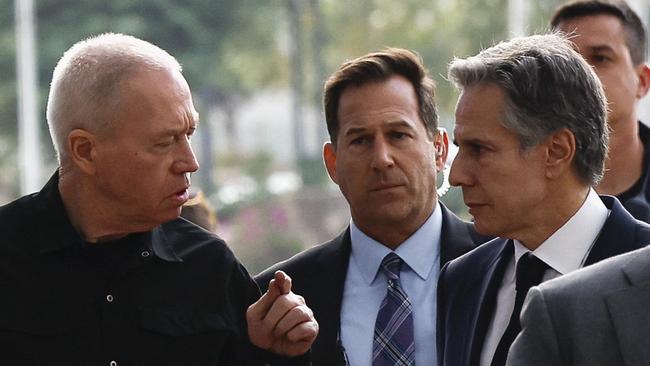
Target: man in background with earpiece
point(368, 285)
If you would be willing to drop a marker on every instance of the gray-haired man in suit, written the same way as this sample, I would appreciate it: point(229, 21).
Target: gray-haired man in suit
point(532, 136)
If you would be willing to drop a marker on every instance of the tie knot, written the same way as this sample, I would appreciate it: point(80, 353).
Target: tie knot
point(530, 271)
point(391, 265)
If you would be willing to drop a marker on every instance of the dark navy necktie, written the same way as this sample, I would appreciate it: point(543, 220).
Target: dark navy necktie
point(393, 343)
point(530, 271)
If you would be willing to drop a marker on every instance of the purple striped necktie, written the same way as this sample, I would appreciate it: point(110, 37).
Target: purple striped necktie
point(393, 343)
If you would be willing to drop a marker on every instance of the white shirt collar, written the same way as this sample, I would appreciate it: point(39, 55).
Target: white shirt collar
point(567, 249)
point(416, 251)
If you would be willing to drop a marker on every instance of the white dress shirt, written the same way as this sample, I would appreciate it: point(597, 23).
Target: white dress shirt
point(564, 251)
point(365, 288)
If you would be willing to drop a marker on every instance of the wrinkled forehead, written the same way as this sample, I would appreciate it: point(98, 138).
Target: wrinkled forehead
point(480, 109)
point(593, 31)
point(162, 95)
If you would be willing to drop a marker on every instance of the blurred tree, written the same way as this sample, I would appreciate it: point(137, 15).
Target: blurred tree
point(319, 39)
point(219, 42)
point(8, 101)
point(294, 12)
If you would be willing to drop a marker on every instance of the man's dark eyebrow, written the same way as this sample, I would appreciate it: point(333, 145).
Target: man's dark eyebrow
point(601, 48)
point(357, 130)
point(354, 131)
point(174, 131)
point(471, 141)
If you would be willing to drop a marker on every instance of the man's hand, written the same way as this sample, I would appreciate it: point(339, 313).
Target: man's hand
point(280, 321)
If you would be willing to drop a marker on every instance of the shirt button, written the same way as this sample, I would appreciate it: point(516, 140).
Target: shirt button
point(113, 363)
point(109, 298)
point(145, 254)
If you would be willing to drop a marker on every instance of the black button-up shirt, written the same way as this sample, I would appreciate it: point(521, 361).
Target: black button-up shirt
point(175, 295)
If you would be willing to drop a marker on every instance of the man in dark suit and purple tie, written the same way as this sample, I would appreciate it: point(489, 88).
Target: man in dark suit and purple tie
point(373, 288)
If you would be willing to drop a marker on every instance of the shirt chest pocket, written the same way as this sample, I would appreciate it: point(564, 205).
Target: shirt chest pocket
point(176, 335)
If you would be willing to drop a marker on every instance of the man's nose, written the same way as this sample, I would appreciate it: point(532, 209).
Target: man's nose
point(382, 157)
point(458, 174)
point(186, 161)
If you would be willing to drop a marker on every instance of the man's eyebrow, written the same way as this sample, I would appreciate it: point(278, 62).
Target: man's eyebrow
point(392, 124)
point(471, 141)
point(601, 48)
point(176, 131)
point(169, 132)
point(354, 131)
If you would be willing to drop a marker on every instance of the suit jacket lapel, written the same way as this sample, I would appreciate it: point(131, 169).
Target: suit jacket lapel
point(330, 270)
point(617, 235)
point(629, 310)
point(487, 298)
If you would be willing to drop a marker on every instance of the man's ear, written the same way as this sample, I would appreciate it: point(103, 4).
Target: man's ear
point(441, 146)
point(329, 158)
point(643, 72)
point(560, 152)
point(82, 150)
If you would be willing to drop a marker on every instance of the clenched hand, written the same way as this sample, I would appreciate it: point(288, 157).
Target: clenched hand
point(280, 321)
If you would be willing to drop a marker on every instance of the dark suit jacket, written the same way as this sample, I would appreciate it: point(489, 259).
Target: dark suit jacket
point(468, 286)
point(637, 199)
point(596, 316)
point(319, 276)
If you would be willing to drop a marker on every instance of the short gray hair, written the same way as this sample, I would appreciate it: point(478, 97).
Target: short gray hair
point(85, 84)
point(548, 86)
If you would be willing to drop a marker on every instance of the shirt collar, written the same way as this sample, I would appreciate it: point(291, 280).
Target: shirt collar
point(568, 247)
point(161, 247)
point(416, 251)
point(59, 233)
point(64, 235)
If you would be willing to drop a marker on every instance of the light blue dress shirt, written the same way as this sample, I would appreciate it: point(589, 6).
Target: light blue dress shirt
point(365, 288)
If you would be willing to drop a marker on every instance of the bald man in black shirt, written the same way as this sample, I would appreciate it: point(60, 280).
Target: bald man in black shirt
point(97, 268)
